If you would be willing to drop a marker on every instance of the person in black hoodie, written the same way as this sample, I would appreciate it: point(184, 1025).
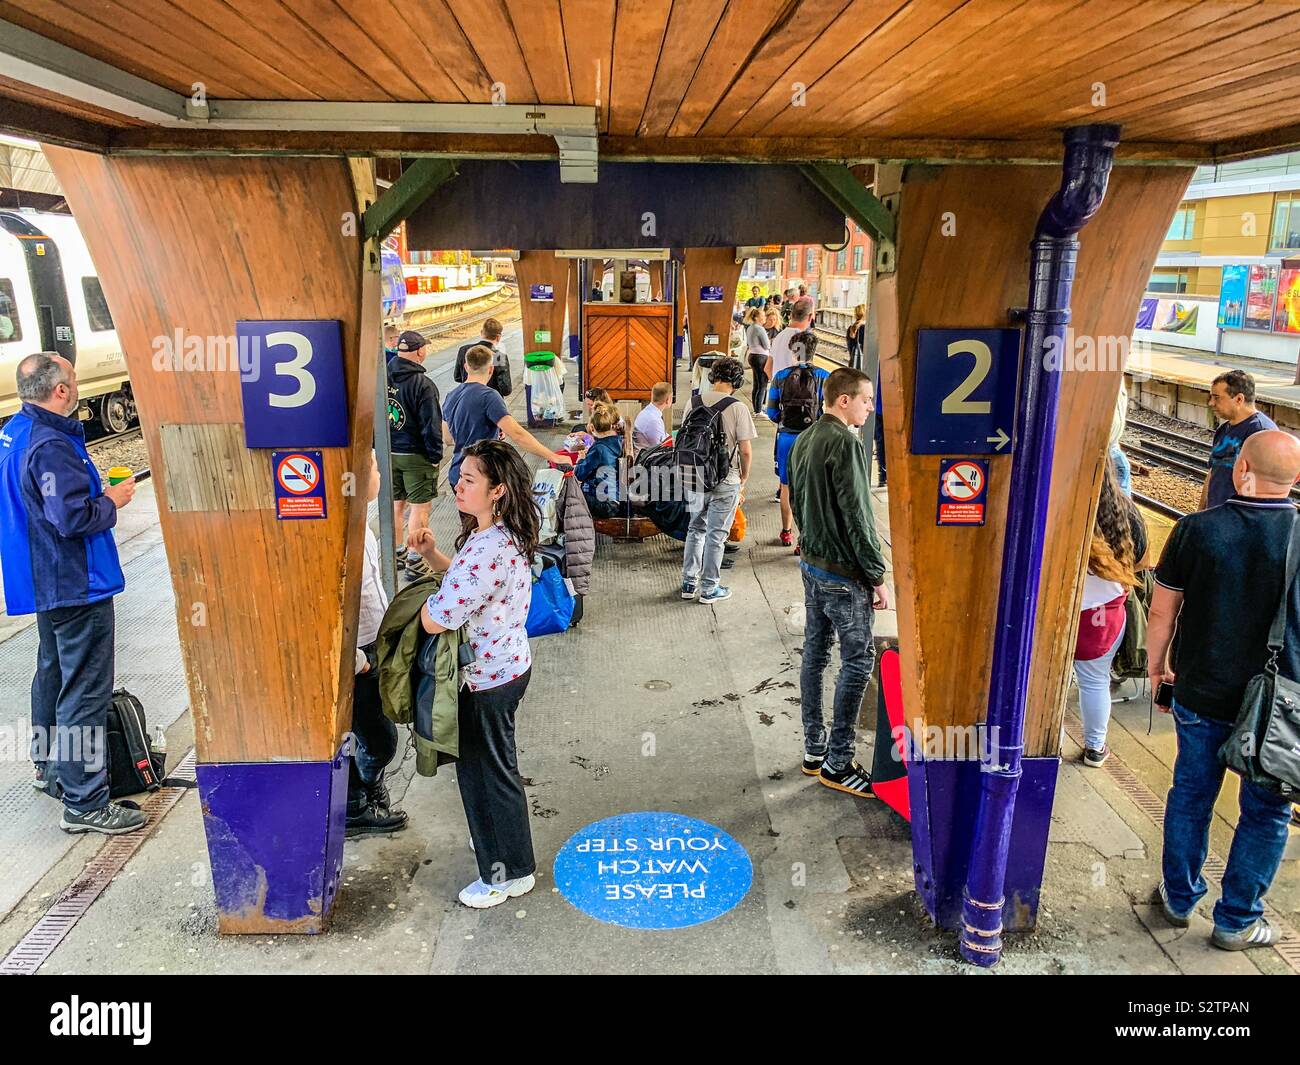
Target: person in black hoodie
point(490, 337)
point(415, 433)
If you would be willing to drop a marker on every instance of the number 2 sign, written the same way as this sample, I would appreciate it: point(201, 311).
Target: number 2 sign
point(965, 396)
point(294, 391)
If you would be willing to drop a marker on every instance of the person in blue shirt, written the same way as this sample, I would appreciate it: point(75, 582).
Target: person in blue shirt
point(794, 402)
point(60, 562)
point(1232, 400)
point(597, 472)
point(474, 411)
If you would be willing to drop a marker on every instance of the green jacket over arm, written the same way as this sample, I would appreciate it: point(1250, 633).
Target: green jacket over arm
point(397, 648)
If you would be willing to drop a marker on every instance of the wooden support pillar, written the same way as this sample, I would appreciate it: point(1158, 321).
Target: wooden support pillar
point(574, 297)
point(710, 266)
point(543, 320)
point(266, 609)
point(963, 261)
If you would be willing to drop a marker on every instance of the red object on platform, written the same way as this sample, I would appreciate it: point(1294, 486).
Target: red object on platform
point(572, 456)
point(890, 786)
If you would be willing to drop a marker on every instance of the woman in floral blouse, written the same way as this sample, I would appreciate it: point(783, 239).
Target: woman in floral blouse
point(487, 588)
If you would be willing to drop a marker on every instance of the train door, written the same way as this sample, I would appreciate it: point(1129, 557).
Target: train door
point(45, 270)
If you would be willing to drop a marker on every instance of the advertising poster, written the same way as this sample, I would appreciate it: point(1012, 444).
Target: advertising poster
point(1261, 292)
point(1147, 313)
point(1286, 316)
point(1232, 296)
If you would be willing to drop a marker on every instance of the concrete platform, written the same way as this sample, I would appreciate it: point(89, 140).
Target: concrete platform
point(1176, 382)
point(649, 704)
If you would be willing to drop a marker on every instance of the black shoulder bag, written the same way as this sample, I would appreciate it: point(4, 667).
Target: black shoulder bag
point(1264, 746)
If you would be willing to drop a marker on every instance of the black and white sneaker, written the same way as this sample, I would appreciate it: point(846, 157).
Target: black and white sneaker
point(1160, 897)
point(852, 779)
point(111, 820)
point(812, 763)
point(41, 782)
point(1095, 759)
point(1259, 934)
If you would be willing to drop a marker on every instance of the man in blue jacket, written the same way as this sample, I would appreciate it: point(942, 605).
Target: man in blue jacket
point(60, 562)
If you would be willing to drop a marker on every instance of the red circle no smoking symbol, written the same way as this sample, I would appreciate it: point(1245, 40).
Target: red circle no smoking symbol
point(963, 482)
point(297, 474)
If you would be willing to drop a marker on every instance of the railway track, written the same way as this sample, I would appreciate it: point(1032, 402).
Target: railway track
point(1175, 452)
point(110, 438)
point(457, 321)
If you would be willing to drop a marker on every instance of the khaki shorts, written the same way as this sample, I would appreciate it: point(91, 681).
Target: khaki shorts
point(415, 478)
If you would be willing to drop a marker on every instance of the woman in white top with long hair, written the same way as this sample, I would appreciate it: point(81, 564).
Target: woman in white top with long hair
point(487, 589)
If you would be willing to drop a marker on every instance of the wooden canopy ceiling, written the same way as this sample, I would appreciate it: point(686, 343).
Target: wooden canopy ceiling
point(704, 79)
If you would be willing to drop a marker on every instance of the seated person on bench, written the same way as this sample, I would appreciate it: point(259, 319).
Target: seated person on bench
point(598, 469)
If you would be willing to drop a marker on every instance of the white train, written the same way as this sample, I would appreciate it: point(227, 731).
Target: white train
point(51, 300)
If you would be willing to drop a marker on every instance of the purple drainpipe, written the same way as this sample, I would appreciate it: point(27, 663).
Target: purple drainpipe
point(1089, 152)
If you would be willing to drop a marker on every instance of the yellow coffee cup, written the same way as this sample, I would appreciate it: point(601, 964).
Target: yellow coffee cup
point(118, 474)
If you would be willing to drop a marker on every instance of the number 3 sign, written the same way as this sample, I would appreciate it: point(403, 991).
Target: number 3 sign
point(965, 398)
point(294, 392)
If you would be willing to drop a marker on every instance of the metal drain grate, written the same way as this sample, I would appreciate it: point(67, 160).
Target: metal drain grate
point(1288, 947)
point(39, 943)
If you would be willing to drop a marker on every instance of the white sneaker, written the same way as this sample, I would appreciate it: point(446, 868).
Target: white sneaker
point(480, 896)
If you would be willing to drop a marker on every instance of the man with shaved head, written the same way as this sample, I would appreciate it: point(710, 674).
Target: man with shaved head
point(59, 561)
point(1221, 579)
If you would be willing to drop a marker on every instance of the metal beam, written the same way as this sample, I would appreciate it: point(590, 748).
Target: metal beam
point(407, 193)
point(838, 185)
point(45, 64)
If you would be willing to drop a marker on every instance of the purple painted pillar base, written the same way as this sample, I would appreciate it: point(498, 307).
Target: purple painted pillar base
point(575, 347)
point(945, 800)
point(275, 841)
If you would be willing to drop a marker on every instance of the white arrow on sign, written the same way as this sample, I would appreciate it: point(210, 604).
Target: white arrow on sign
point(1000, 440)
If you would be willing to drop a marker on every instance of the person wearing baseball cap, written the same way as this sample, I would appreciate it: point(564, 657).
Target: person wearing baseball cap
point(415, 433)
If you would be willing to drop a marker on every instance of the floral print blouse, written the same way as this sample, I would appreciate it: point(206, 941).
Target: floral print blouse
point(488, 588)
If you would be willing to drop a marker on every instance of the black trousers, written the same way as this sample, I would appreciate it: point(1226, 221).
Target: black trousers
point(376, 737)
point(70, 695)
point(487, 771)
point(759, 395)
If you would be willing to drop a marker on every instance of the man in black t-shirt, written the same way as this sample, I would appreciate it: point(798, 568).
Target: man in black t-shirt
point(1220, 579)
point(1232, 399)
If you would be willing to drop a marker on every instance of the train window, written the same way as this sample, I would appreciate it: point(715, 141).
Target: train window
point(10, 326)
point(96, 305)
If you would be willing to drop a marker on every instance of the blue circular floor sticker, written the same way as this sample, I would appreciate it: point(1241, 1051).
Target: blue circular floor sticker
point(653, 870)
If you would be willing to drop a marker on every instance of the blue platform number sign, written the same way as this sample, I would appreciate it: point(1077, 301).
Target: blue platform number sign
point(653, 870)
point(710, 293)
point(965, 396)
point(292, 382)
point(541, 293)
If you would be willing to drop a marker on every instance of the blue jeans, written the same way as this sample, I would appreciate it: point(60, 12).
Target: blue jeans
point(71, 693)
point(834, 608)
point(1257, 844)
point(1123, 471)
point(711, 517)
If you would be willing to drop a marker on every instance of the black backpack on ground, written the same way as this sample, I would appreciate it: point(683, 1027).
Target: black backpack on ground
point(133, 764)
point(701, 454)
point(798, 399)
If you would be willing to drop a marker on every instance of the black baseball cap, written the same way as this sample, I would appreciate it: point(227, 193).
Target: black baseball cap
point(410, 341)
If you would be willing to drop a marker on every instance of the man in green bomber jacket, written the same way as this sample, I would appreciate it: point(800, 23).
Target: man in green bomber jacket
point(843, 575)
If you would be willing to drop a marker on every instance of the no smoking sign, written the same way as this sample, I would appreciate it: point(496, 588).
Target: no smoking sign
point(963, 491)
point(299, 485)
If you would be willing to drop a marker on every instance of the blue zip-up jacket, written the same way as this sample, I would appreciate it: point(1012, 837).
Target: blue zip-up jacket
point(56, 544)
point(598, 472)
